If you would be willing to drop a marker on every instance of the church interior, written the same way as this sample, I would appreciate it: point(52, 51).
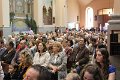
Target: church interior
point(66, 18)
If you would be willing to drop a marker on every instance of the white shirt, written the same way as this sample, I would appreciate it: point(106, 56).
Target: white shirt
point(42, 59)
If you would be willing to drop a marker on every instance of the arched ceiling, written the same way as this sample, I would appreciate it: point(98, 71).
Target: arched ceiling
point(85, 2)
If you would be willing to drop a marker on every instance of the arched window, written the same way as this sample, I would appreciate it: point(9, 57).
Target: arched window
point(89, 18)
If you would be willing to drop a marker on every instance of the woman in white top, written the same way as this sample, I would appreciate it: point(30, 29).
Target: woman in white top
point(41, 57)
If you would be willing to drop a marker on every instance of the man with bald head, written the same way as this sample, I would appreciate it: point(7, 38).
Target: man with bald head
point(37, 72)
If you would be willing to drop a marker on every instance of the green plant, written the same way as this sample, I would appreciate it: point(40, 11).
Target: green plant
point(12, 14)
point(31, 24)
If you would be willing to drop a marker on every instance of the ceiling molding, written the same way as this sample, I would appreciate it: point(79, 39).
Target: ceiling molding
point(85, 2)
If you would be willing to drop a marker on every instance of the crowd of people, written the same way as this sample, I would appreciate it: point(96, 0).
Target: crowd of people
point(71, 55)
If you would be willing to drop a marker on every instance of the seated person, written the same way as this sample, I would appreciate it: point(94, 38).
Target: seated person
point(91, 72)
point(37, 72)
point(18, 72)
point(102, 60)
point(7, 56)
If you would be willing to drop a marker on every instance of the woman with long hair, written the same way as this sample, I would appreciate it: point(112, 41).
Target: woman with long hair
point(18, 71)
point(42, 56)
point(102, 60)
point(91, 72)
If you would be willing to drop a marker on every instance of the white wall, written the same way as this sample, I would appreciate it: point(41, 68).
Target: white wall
point(60, 13)
point(73, 10)
point(117, 7)
point(4, 13)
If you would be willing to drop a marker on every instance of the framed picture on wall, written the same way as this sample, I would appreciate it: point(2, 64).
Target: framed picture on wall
point(47, 12)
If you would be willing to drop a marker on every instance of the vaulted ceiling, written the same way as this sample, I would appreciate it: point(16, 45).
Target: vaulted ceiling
point(85, 2)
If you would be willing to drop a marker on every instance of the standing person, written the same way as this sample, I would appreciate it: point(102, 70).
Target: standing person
point(102, 60)
point(30, 31)
point(80, 54)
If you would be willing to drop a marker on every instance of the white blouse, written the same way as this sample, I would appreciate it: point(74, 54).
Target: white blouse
point(42, 59)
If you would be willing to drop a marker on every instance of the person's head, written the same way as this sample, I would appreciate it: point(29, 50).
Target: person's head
point(49, 46)
point(41, 47)
point(102, 60)
point(37, 72)
point(102, 56)
point(25, 58)
point(101, 40)
point(31, 43)
point(22, 44)
point(50, 43)
point(1, 43)
point(91, 72)
point(10, 45)
point(12, 68)
point(69, 42)
point(64, 43)
point(93, 41)
point(57, 47)
point(72, 76)
point(81, 41)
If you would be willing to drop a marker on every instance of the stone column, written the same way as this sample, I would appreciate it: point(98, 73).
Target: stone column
point(58, 13)
point(61, 13)
point(38, 13)
point(5, 18)
point(114, 24)
point(4, 13)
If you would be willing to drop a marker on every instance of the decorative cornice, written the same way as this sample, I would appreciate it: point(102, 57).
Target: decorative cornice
point(115, 19)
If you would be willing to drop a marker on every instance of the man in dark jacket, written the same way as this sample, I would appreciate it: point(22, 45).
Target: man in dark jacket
point(2, 48)
point(80, 54)
point(7, 56)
